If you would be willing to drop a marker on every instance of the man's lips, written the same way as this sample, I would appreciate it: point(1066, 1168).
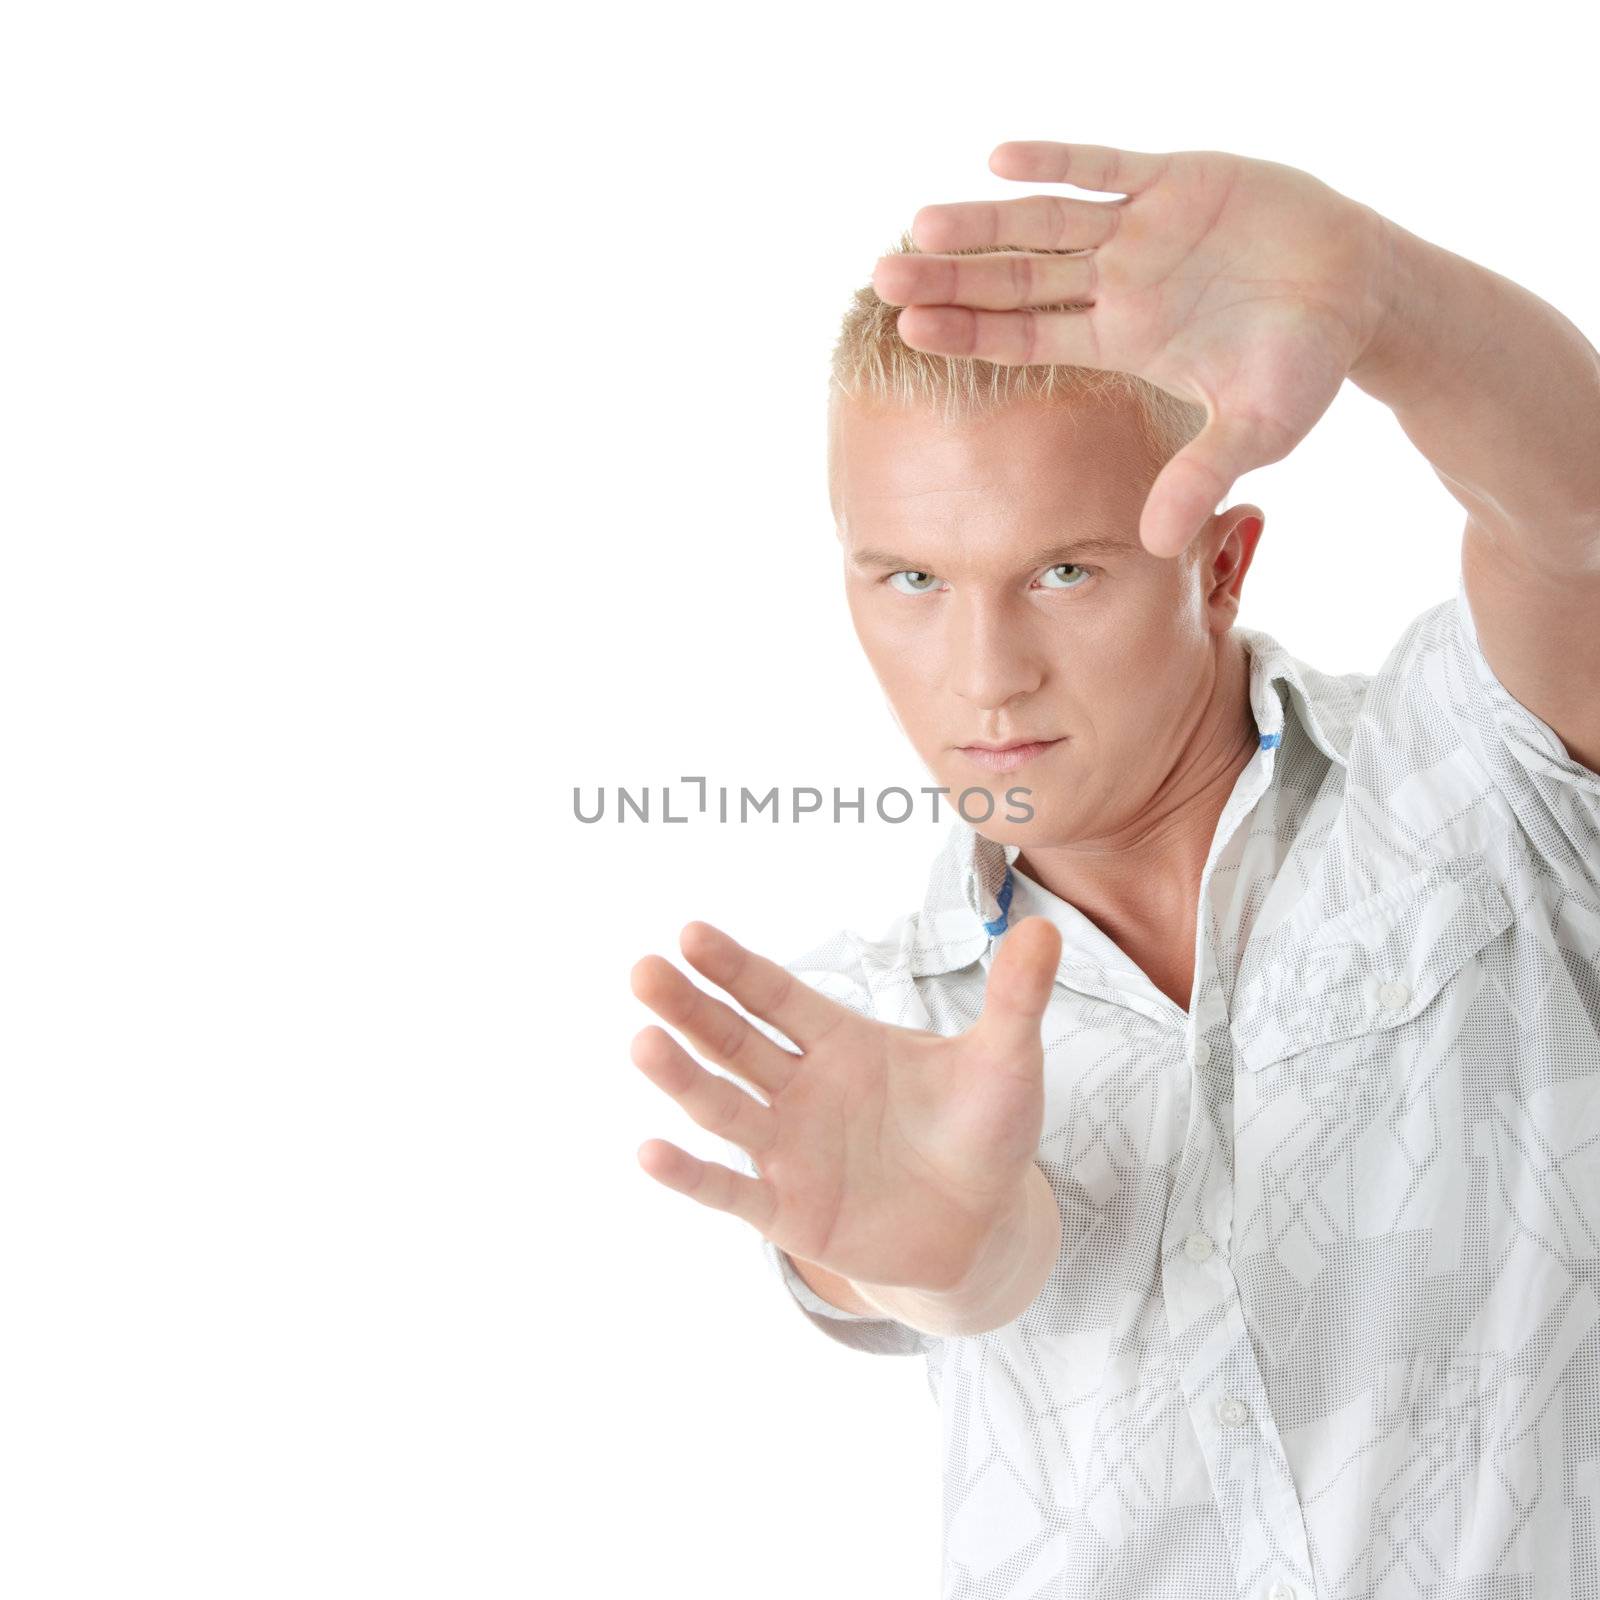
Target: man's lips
point(1007, 757)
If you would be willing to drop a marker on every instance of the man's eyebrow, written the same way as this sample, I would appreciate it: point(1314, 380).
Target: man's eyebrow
point(1056, 555)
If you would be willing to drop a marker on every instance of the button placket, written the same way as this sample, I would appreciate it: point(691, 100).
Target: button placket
point(1202, 1305)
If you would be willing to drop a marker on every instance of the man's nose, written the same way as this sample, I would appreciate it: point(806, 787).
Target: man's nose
point(990, 655)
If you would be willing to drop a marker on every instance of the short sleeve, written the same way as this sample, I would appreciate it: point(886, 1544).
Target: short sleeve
point(1556, 799)
point(834, 969)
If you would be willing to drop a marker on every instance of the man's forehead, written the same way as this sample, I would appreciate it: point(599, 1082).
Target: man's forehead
point(980, 510)
point(989, 493)
point(1037, 460)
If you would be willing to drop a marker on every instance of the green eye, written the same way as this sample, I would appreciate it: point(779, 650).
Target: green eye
point(925, 582)
point(1065, 566)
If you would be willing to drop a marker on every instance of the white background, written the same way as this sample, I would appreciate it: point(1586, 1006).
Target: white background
point(411, 412)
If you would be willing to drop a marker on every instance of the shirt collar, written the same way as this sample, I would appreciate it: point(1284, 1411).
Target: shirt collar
point(969, 886)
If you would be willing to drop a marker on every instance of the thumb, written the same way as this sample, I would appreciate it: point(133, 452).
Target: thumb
point(1192, 484)
point(1020, 980)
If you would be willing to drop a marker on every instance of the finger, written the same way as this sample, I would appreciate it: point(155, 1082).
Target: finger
point(716, 1030)
point(1021, 978)
point(1008, 338)
point(762, 987)
point(709, 1182)
point(1084, 166)
point(718, 1105)
point(994, 283)
point(1030, 222)
point(1191, 486)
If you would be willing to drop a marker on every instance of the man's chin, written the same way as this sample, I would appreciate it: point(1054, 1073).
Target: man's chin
point(1008, 810)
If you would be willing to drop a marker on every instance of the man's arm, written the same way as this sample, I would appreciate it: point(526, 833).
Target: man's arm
point(1501, 393)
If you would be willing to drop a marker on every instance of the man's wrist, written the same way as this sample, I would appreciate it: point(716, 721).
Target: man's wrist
point(1004, 1282)
point(1500, 393)
point(1431, 309)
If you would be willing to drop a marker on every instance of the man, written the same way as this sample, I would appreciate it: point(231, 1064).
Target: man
point(1226, 1135)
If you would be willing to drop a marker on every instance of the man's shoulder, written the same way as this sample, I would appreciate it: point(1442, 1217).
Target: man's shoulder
point(1389, 716)
point(1413, 722)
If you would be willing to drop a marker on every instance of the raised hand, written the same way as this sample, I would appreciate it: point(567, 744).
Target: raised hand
point(1247, 286)
point(887, 1155)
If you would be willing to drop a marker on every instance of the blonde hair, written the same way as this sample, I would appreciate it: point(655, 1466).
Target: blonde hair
point(874, 365)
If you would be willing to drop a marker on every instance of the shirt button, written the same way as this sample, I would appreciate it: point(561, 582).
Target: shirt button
point(1233, 1411)
point(1394, 995)
point(1202, 1052)
point(1197, 1247)
point(1281, 1591)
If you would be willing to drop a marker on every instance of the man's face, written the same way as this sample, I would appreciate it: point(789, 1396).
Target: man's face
point(998, 585)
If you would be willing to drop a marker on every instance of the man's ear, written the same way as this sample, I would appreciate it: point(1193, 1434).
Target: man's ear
point(1242, 528)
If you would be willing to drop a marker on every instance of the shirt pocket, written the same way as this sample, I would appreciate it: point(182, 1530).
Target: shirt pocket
point(1370, 969)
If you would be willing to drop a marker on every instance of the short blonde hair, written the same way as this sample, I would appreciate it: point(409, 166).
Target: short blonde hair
point(874, 365)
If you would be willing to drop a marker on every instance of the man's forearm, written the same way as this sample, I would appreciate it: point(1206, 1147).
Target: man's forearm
point(1003, 1284)
point(1501, 393)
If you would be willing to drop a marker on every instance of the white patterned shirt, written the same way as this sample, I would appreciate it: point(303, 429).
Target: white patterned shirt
point(1326, 1316)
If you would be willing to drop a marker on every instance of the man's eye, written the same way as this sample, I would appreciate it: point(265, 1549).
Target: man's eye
point(1065, 566)
point(916, 582)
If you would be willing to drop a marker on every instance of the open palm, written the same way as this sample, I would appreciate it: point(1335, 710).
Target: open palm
point(887, 1155)
point(1247, 286)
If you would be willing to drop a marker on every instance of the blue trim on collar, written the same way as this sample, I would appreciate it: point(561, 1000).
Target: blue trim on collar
point(1270, 741)
point(1003, 900)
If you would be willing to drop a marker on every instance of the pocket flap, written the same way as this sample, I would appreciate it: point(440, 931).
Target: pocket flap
point(1370, 968)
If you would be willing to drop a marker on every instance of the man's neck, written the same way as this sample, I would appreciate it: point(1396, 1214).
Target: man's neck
point(1141, 887)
